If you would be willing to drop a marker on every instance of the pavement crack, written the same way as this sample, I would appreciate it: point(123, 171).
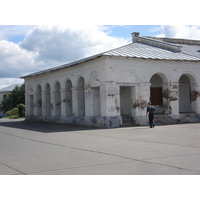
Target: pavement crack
point(12, 168)
point(100, 152)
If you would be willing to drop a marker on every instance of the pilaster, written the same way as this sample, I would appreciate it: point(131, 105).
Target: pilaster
point(43, 104)
point(171, 96)
point(63, 102)
point(53, 106)
point(74, 101)
point(109, 99)
point(88, 101)
point(143, 98)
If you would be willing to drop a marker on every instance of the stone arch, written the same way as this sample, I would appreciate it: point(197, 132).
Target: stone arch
point(192, 77)
point(57, 98)
point(162, 75)
point(158, 85)
point(81, 96)
point(30, 90)
point(68, 97)
point(48, 99)
point(127, 76)
point(94, 80)
point(188, 93)
point(39, 100)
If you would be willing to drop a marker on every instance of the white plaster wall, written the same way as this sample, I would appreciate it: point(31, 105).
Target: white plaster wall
point(107, 74)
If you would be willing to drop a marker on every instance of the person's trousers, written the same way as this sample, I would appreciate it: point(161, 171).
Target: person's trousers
point(151, 122)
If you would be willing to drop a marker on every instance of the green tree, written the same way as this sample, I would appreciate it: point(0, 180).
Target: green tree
point(12, 100)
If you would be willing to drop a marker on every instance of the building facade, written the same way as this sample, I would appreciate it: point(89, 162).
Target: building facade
point(113, 88)
point(5, 91)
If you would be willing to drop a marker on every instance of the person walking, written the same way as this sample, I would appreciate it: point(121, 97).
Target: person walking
point(151, 109)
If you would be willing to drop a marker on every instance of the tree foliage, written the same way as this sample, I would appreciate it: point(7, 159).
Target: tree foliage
point(12, 100)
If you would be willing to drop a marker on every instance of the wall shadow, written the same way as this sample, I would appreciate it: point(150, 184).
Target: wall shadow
point(42, 127)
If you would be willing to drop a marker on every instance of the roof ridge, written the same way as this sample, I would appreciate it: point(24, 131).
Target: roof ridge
point(177, 40)
point(158, 43)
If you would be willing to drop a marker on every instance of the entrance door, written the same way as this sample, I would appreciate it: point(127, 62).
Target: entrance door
point(125, 100)
point(156, 96)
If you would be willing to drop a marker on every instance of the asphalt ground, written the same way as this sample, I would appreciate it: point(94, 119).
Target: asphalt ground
point(35, 148)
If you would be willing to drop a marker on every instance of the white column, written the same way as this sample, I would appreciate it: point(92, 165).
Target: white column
point(143, 98)
point(74, 101)
point(195, 100)
point(172, 94)
point(53, 106)
point(34, 104)
point(109, 99)
point(63, 102)
point(198, 99)
point(43, 104)
point(27, 104)
point(135, 94)
point(88, 101)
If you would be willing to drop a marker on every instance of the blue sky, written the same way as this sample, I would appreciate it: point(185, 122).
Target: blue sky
point(26, 49)
point(16, 33)
point(126, 30)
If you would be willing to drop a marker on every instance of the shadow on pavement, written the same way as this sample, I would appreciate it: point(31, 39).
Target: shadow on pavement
point(43, 127)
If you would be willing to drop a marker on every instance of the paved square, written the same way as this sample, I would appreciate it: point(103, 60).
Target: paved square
point(36, 148)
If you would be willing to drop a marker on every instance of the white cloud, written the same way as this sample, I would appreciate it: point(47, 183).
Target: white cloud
point(181, 31)
point(14, 60)
point(48, 46)
point(68, 43)
point(4, 82)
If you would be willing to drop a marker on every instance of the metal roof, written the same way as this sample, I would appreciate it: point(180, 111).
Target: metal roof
point(140, 50)
point(10, 88)
point(145, 48)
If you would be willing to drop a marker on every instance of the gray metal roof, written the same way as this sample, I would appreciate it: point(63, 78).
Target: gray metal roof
point(144, 48)
point(139, 50)
point(10, 88)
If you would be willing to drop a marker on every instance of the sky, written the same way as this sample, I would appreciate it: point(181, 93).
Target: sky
point(37, 35)
point(25, 49)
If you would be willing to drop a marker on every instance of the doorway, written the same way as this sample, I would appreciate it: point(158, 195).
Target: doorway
point(125, 100)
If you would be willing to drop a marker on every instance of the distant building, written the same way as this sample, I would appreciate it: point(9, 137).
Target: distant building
point(4, 91)
point(113, 88)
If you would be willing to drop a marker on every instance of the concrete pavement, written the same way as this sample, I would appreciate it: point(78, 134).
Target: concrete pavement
point(36, 148)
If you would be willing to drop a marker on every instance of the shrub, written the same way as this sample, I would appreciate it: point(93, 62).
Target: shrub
point(12, 112)
point(13, 117)
point(21, 110)
point(16, 112)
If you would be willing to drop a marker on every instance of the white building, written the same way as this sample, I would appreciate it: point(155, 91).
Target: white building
point(4, 91)
point(113, 88)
